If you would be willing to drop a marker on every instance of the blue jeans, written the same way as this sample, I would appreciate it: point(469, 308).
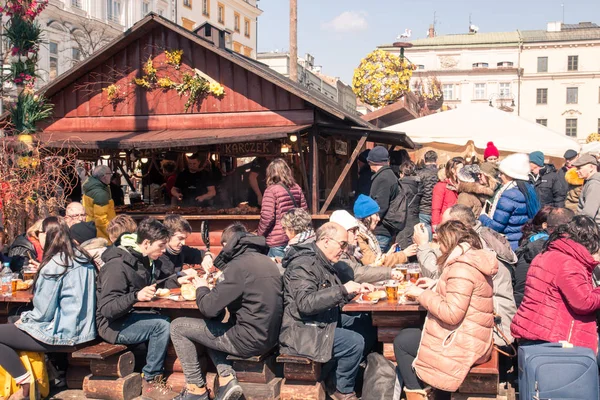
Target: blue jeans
point(384, 242)
point(151, 328)
point(426, 220)
point(348, 350)
point(277, 251)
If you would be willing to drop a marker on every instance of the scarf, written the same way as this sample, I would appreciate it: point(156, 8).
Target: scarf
point(173, 252)
point(301, 238)
point(39, 252)
point(370, 238)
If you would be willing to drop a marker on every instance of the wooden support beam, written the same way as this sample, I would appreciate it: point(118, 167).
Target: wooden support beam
point(344, 173)
point(125, 175)
point(314, 170)
point(300, 153)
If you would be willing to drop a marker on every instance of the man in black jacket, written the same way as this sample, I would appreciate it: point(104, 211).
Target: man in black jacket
point(384, 189)
point(363, 184)
point(251, 290)
point(429, 177)
point(313, 325)
point(549, 186)
point(125, 279)
point(177, 253)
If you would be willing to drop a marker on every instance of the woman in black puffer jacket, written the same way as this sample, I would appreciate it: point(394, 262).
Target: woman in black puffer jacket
point(411, 186)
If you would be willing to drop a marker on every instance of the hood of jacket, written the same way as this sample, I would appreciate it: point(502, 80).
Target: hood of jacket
point(482, 260)
point(475, 188)
point(92, 183)
point(412, 181)
point(22, 241)
point(129, 251)
point(572, 178)
point(496, 242)
point(548, 169)
point(239, 244)
point(306, 249)
point(574, 250)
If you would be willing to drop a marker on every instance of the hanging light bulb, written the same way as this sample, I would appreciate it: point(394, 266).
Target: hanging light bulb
point(214, 157)
point(122, 154)
point(189, 154)
point(105, 156)
point(144, 160)
point(285, 148)
point(293, 138)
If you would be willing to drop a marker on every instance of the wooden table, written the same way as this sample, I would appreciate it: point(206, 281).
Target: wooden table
point(8, 303)
point(390, 318)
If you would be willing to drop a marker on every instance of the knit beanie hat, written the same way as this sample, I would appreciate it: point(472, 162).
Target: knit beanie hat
point(537, 158)
point(83, 231)
point(490, 151)
point(378, 155)
point(344, 218)
point(516, 166)
point(469, 173)
point(365, 206)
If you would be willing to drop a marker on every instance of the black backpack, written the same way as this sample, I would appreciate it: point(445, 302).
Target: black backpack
point(395, 218)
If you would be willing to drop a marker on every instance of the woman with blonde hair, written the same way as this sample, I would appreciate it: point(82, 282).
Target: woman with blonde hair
point(282, 194)
point(460, 319)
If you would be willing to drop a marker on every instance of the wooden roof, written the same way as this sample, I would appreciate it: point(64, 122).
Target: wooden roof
point(257, 100)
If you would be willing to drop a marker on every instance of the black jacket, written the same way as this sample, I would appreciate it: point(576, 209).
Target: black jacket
point(363, 185)
point(384, 188)
point(173, 263)
point(251, 289)
point(429, 177)
point(550, 187)
point(20, 250)
point(525, 254)
point(313, 296)
point(123, 275)
point(412, 188)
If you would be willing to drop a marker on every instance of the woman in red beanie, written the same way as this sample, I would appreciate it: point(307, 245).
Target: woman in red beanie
point(491, 153)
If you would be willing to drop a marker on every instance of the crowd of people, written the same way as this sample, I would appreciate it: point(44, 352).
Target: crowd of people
point(503, 260)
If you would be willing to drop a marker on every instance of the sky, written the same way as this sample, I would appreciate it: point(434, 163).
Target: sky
point(339, 33)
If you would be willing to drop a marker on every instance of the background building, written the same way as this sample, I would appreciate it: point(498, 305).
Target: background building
point(310, 76)
point(548, 76)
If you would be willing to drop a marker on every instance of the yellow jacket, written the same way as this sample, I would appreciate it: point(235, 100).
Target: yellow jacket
point(35, 363)
point(98, 204)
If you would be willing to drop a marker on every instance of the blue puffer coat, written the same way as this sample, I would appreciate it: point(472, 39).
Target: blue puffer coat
point(509, 217)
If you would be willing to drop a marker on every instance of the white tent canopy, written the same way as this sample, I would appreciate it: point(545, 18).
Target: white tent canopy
point(482, 124)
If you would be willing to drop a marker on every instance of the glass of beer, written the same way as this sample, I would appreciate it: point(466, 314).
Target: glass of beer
point(13, 282)
point(28, 274)
point(414, 274)
point(391, 289)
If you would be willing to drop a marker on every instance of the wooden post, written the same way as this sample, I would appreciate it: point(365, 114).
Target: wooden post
point(126, 176)
point(294, 40)
point(342, 176)
point(303, 166)
point(314, 170)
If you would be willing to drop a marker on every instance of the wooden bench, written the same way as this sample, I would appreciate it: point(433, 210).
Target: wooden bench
point(257, 375)
point(301, 379)
point(482, 381)
point(111, 372)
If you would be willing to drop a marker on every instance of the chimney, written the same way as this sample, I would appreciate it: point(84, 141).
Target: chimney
point(431, 32)
point(554, 26)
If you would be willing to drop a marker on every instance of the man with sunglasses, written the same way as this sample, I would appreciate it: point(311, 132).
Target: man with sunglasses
point(313, 325)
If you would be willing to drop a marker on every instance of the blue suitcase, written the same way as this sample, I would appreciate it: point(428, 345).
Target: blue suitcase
point(550, 372)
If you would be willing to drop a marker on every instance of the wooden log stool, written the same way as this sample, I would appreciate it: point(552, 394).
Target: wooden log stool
point(257, 376)
point(112, 376)
point(175, 377)
point(482, 381)
point(302, 379)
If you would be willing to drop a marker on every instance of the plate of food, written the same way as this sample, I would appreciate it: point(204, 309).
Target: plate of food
point(371, 298)
point(24, 285)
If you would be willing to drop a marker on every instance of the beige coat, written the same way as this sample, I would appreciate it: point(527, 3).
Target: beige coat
point(575, 186)
point(474, 195)
point(369, 256)
point(458, 331)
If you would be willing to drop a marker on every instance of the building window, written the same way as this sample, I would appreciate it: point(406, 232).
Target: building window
point(571, 127)
point(420, 66)
point(505, 64)
point(572, 95)
point(542, 64)
point(237, 47)
point(448, 91)
point(187, 23)
point(113, 10)
point(573, 63)
point(75, 54)
point(206, 8)
point(187, 3)
point(504, 90)
point(480, 91)
point(542, 122)
point(236, 22)
point(598, 125)
point(247, 51)
point(53, 50)
point(160, 12)
point(542, 96)
point(76, 3)
point(221, 13)
point(246, 27)
point(480, 65)
point(146, 8)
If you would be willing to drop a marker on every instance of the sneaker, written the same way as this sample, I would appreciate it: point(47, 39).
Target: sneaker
point(341, 396)
point(157, 389)
point(231, 391)
point(186, 395)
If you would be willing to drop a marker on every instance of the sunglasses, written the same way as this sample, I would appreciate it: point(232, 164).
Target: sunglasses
point(76, 216)
point(343, 245)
